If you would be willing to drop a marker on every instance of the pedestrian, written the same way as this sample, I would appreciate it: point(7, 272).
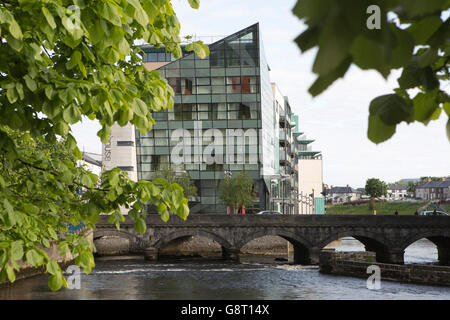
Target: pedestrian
point(396, 212)
point(434, 212)
point(416, 213)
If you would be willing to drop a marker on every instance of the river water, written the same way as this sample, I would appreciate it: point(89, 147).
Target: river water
point(254, 278)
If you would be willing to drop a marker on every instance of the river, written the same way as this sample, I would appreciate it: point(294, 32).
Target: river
point(254, 278)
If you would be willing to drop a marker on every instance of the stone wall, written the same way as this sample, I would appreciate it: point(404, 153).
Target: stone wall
point(194, 246)
point(349, 264)
point(28, 270)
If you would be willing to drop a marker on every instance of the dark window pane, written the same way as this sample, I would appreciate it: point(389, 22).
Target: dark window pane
point(125, 143)
point(175, 83)
point(187, 86)
point(244, 112)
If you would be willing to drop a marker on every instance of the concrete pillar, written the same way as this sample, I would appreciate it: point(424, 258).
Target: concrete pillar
point(230, 254)
point(151, 254)
point(394, 256)
point(444, 255)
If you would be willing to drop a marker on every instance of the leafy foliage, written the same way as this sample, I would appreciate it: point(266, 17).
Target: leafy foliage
point(375, 188)
point(416, 40)
point(183, 180)
point(237, 191)
point(61, 60)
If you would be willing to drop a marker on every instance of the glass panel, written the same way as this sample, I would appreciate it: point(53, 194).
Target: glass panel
point(203, 81)
point(161, 57)
point(217, 81)
point(186, 86)
point(175, 83)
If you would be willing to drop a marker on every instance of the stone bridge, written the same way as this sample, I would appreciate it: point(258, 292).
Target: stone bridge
point(387, 236)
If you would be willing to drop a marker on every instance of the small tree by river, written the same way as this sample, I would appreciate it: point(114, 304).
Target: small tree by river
point(237, 191)
point(375, 188)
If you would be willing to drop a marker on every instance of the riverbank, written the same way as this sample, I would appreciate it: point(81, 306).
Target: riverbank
point(355, 264)
point(382, 208)
point(27, 270)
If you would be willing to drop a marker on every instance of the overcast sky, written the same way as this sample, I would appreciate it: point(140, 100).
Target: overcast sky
point(337, 119)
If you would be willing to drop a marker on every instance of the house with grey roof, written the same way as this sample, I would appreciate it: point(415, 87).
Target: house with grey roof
point(434, 190)
point(343, 194)
point(397, 192)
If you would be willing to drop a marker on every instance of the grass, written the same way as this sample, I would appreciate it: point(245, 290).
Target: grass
point(383, 208)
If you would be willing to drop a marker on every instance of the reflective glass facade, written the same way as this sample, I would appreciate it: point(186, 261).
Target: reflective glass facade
point(227, 93)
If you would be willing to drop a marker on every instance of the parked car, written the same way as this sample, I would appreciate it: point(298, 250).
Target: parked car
point(431, 213)
point(269, 212)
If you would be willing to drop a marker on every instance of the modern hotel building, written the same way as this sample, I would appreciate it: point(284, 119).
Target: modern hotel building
point(228, 117)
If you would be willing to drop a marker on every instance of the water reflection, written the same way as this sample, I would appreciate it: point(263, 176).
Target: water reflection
point(210, 278)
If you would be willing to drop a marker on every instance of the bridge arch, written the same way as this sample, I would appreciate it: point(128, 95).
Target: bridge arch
point(160, 242)
point(287, 235)
point(437, 237)
point(114, 233)
point(440, 238)
point(304, 253)
point(367, 238)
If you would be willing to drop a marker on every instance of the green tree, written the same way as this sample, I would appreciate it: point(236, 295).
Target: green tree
point(61, 60)
point(237, 191)
point(375, 188)
point(411, 186)
point(183, 179)
point(412, 36)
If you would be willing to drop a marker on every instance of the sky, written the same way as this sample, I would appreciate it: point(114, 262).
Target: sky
point(336, 119)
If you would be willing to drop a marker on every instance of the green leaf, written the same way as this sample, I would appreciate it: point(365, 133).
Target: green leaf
point(334, 43)
point(15, 30)
point(424, 29)
point(49, 17)
point(446, 108)
point(308, 39)
point(53, 267)
point(324, 81)
point(378, 131)
point(10, 273)
point(448, 129)
point(31, 84)
point(390, 108)
point(114, 177)
point(17, 250)
point(55, 281)
point(369, 54)
point(421, 7)
point(140, 107)
point(140, 225)
point(72, 114)
point(425, 105)
point(86, 181)
point(201, 50)
point(34, 258)
point(195, 4)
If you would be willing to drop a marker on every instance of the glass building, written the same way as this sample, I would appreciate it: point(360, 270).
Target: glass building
point(224, 121)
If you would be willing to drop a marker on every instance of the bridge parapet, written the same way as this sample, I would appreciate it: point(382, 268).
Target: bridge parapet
point(388, 236)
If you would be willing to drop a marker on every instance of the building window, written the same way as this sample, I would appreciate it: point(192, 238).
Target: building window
point(125, 143)
point(126, 168)
point(175, 83)
point(187, 86)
